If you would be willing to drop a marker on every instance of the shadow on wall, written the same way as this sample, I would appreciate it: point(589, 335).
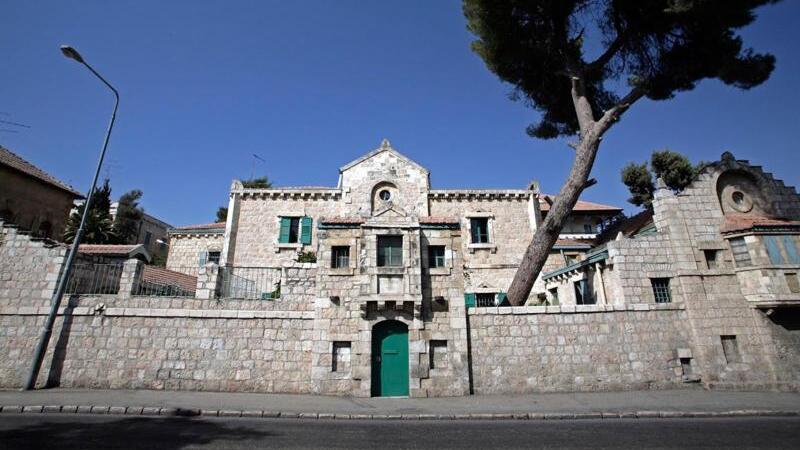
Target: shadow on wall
point(61, 343)
point(139, 432)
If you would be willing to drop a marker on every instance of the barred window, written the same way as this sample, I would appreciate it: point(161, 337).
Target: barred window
point(485, 299)
point(340, 257)
point(213, 257)
point(661, 290)
point(740, 253)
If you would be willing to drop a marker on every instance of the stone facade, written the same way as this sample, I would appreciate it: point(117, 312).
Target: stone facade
point(406, 295)
point(32, 199)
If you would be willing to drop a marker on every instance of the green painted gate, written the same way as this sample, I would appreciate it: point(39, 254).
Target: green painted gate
point(389, 359)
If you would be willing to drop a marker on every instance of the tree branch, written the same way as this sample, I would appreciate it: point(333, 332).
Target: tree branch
point(603, 59)
point(613, 114)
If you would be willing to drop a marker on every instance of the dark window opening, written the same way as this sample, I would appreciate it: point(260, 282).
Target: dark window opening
point(390, 251)
point(435, 256)
point(340, 257)
point(437, 354)
point(582, 294)
point(553, 296)
point(479, 229)
point(340, 359)
point(147, 237)
point(213, 257)
point(711, 258)
point(661, 290)
point(485, 299)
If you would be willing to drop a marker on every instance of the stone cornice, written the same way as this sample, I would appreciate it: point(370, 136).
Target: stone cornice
point(465, 194)
point(292, 193)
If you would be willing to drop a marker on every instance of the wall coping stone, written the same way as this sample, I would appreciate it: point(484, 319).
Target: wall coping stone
point(153, 312)
point(573, 309)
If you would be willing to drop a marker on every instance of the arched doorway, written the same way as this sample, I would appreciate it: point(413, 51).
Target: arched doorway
point(389, 359)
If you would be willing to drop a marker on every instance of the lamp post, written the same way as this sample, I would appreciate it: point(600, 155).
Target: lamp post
point(55, 301)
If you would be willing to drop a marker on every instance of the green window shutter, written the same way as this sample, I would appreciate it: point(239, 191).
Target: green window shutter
point(283, 237)
point(469, 300)
point(791, 249)
point(305, 230)
point(501, 298)
point(773, 249)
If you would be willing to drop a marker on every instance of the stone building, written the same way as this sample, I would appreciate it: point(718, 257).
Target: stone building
point(727, 249)
point(31, 198)
point(151, 232)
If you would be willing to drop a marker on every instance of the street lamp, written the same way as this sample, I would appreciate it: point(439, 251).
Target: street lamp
point(55, 301)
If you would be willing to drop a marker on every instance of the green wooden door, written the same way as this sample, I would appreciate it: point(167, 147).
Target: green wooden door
point(390, 359)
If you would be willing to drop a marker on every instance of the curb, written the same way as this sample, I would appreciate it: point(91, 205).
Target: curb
point(187, 412)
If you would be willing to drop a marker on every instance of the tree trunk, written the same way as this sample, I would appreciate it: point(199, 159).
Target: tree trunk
point(547, 234)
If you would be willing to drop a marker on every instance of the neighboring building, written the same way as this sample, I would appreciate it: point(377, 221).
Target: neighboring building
point(151, 233)
point(727, 248)
point(193, 246)
point(32, 199)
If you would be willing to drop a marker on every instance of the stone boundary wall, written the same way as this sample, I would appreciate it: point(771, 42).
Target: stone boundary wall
point(96, 345)
point(577, 348)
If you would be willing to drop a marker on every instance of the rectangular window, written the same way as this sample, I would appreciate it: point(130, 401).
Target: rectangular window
point(583, 295)
point(711, 258)
point(213, 257)
point(793, 282)
point(485, 299)
point(435, 256)
point(479, 229)
point(340, 257)
point(290, 230)
point(553, 296)
point(773, 249)
point(731, 349)
point(340, 359)
point(791, 249)
point(587, 228)
point(661, 290)
point(437, 354)
point(740, 253)
point(147, 236)
point(390, 251)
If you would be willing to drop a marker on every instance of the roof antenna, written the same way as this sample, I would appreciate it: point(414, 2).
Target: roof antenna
point(253, 170)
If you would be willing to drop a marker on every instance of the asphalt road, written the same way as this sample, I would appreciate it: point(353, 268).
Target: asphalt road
point(42, 431)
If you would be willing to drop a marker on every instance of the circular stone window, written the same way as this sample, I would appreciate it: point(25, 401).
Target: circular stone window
point(740, 201)
point(385, 195)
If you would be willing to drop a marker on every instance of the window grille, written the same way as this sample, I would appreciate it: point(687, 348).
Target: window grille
point(340, 257)
point(661, 290)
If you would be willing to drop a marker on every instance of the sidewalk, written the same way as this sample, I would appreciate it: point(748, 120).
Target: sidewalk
point(690, 402)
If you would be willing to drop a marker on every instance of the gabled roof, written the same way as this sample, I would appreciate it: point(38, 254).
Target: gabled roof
point(14, 161)
point(164, 277)
point(121, 251)
point(386, 146)
point(545, 201)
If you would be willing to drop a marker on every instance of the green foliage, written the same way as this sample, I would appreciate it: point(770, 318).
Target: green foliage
point(99, 226)
point(639, 181)
point(128, 218)
point(660, 47)
point(674, 168)
point(222, 214)
point(257, 183)
point(306, 257)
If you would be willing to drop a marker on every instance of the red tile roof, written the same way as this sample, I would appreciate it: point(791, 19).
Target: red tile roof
point(437, 219)
point(111, 250)
point(546, 200)
point(12, 160)
point(742, 222)
point(164, 277)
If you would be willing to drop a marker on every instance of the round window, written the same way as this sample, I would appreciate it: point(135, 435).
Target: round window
point(738, 198)
point(385, 195)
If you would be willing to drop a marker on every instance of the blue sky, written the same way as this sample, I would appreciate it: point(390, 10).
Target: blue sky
point(311, 85)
